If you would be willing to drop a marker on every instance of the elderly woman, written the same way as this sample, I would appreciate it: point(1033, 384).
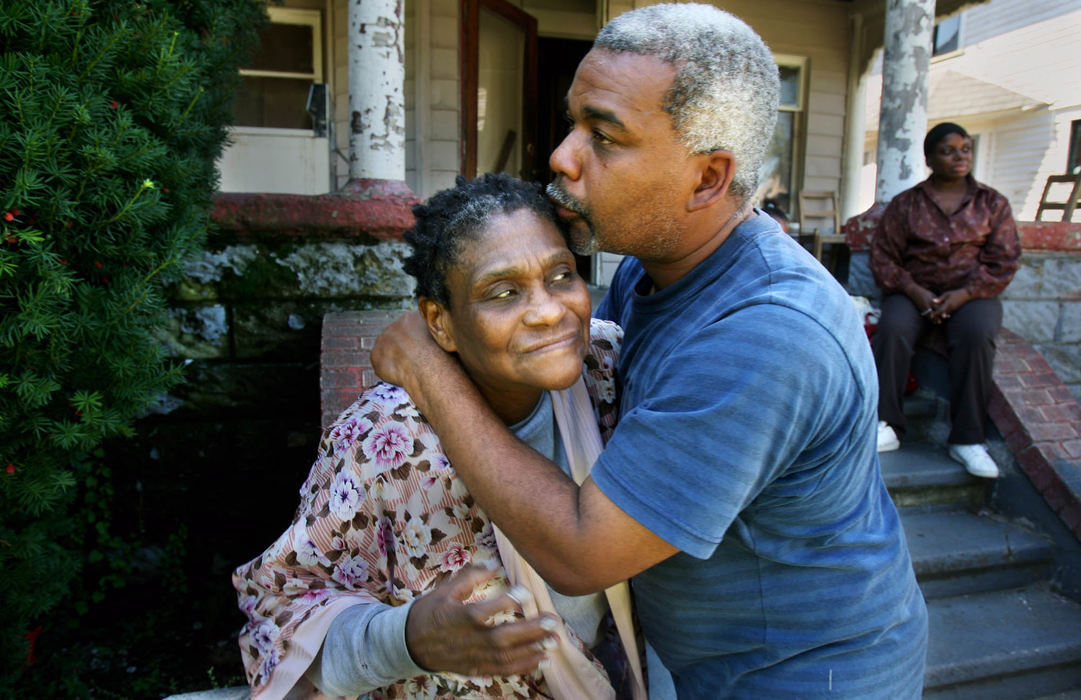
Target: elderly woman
point(390, 580)
point(943, 253)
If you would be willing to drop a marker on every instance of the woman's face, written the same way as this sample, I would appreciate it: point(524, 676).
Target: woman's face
point(951, 158)
point(518, 315)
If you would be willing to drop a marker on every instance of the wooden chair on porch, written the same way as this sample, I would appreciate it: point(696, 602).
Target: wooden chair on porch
point(1067, 206)
point(820, 224)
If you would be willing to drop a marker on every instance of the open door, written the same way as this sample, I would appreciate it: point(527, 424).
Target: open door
point(499, 90)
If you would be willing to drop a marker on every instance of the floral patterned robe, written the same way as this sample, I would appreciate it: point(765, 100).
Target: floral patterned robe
point(383, 517)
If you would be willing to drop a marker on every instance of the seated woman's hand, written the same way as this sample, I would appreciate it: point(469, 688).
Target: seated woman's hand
point(948, 303)
point(446, 634)
point(923, 299)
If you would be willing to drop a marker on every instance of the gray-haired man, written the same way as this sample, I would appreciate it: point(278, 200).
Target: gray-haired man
point(741, 492)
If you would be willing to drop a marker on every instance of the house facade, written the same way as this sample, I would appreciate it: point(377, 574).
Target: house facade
point(484, 84)
point(1007, 71)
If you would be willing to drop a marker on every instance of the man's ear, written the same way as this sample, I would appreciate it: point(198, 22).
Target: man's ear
point(716, 170)
point(438, 320)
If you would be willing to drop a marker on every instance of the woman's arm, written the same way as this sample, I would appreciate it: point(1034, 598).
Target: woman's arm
point(888, 253)
point(372, 646)
point(349, 546)
point(1000, 255)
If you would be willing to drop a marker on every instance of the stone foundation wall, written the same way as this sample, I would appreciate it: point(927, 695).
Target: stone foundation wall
point(225, 453)
point(1042, 303)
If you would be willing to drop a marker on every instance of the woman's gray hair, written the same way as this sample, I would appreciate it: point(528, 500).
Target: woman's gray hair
point(726, 89)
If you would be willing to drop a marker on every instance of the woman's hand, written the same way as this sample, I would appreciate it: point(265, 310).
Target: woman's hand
point(443, 633)
point(948, 303)
point(924, 300)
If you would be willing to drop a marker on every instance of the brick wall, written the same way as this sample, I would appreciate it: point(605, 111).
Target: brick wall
point(345, 367)
point(1041, 422)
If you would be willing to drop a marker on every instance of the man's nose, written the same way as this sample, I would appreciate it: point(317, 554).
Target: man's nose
point(564, 160)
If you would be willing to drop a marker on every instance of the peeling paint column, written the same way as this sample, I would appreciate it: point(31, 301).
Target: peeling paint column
point(905, 84)
point(855, 122)
point(376, 86)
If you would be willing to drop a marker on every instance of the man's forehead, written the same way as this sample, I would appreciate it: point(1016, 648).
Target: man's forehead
point(608, 83)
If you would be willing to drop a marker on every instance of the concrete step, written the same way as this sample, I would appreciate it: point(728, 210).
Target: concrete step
point(956, 552)
point(1018, 643)
point(922, 474)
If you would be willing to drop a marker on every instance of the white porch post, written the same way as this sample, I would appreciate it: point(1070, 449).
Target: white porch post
point(376, 80)
point(903, 118)
point(855, 124)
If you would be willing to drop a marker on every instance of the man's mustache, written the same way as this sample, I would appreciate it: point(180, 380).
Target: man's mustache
point(560, 197)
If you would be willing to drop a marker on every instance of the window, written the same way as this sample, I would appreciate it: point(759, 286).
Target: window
point(779, 168)
point(289, 59)
point(947, 36)
point(1073, 160)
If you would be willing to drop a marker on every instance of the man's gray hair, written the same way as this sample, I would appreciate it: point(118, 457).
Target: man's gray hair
point(726, 88)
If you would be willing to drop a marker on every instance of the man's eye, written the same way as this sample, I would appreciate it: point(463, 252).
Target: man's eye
point(601, 137)
point(503, 294)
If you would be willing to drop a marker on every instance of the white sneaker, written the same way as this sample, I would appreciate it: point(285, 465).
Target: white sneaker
point(887, 438)
point(976, 460)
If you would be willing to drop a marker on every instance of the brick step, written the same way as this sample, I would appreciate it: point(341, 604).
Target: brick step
point(956, 552)
point(922, 474)
point(1017, 643)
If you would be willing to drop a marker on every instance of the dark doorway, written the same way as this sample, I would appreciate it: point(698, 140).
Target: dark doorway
point(558, 59)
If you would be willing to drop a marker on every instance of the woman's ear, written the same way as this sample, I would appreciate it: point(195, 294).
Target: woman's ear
point(715, 176)
point(438, 319)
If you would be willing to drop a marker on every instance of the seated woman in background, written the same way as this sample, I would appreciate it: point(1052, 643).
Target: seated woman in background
point(390, 578)
point(943, 253)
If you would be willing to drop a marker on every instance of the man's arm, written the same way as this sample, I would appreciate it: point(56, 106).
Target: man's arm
point(576, 538)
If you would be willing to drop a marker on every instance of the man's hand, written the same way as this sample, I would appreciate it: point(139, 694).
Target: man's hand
point(404, 349)
point(948, 303)
point(443, 633)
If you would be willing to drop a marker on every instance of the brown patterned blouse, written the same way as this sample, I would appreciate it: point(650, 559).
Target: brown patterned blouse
point(917, 243)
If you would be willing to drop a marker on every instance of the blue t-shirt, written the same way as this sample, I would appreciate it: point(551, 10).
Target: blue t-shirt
point(747, 440)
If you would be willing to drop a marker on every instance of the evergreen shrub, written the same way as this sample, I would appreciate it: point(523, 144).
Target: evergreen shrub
point(112, 114)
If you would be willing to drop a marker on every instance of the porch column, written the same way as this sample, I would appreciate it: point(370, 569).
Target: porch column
point(376, 79)
point(855, 123)
point(902, 121)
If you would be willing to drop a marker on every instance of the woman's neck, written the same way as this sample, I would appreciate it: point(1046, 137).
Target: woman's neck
point(959, 184)
point(512, 406)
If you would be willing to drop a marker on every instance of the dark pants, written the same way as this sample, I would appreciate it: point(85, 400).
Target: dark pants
point(969, 345)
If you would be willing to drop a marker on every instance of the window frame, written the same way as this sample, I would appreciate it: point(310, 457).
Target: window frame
point(799, 109)
point(936, 54)
point(298, 17)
